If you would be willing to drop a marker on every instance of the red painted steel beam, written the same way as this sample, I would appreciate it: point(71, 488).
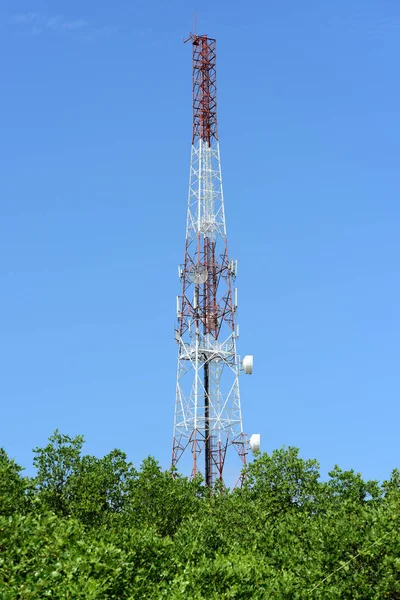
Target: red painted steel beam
point(205, 126)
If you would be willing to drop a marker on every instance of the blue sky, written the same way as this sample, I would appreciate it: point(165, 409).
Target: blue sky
point(95, 119)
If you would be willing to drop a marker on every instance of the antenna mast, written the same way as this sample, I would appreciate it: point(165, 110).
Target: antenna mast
point(208, 417)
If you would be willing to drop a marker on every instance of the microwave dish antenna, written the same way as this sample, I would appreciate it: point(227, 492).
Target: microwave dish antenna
point(255, 443)
point(198, 274)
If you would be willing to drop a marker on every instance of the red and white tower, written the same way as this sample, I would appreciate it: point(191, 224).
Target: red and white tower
point(208, 416)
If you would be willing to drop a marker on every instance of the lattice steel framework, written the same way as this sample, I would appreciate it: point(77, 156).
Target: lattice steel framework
point(208, 419)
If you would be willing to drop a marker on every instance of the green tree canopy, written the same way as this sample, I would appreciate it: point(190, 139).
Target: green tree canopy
point(100, 528)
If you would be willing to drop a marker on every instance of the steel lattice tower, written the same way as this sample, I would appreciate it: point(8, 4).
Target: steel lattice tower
point(208, 417)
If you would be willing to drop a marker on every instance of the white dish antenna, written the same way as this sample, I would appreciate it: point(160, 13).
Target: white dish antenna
point(248, 364)
point(198, 274)
point(255, 443)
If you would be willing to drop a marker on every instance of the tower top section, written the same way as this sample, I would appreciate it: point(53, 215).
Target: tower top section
point(205, 125)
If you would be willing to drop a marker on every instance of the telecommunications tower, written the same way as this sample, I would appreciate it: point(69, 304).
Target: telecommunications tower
point(208, 416)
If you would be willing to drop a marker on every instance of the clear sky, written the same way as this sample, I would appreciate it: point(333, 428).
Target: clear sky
point(95, 122)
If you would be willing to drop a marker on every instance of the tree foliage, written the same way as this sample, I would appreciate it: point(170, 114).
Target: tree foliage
point(99, 528)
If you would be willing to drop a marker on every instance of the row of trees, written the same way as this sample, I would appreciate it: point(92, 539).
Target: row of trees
point(98, 528)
